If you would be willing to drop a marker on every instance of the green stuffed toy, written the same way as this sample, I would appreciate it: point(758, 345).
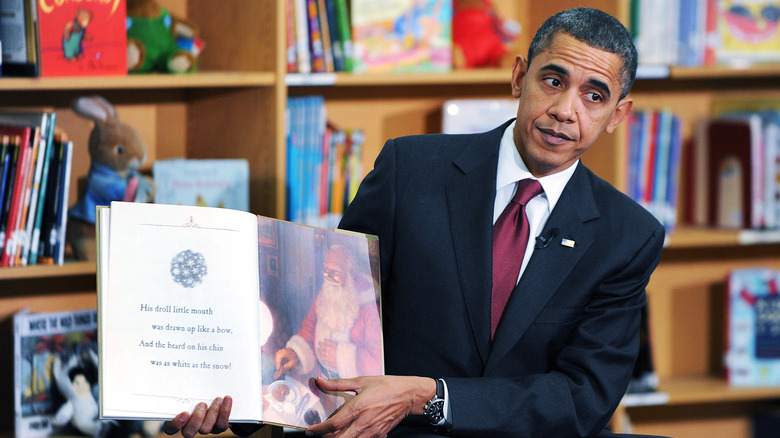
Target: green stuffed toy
point(158, 41)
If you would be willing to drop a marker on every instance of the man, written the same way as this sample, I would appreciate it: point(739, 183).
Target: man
point(560, 358)
point(341, 333)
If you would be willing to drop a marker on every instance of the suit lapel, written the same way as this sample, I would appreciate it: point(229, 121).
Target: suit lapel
point(470, 198)
point(573, 216)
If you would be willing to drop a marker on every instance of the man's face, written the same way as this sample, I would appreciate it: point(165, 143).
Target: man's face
point(568, 96)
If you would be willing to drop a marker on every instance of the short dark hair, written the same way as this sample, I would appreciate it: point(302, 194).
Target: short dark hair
point(596, 29)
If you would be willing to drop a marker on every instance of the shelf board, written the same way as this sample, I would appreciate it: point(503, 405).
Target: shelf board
point(142, 81)
point(69, 269)
point(692, 237)
point(699, 390)
point(722, 71)
point(455, 77)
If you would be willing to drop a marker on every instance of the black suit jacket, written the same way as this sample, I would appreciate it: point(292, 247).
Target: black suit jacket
point(563, 354)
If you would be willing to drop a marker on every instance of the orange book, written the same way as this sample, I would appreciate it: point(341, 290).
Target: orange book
point(82, 38)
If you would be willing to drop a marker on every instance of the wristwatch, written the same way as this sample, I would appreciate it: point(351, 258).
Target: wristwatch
point(434, 409)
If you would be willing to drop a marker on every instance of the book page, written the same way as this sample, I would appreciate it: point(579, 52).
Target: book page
point(179, 322)
point(321, 290)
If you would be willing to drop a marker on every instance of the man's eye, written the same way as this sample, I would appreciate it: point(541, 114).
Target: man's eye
point(554, 82)
point(595, 97)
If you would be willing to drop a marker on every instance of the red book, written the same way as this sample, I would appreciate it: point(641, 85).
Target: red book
point(17, 190)
point(82, 38)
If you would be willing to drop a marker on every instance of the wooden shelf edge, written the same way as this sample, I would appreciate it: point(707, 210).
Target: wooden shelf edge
point(692, 237)
point(699, 390)
point(204, 79)
point(69, 269)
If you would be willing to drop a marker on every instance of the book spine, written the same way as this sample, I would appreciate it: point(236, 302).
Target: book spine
point(9, 247)
point(31, 198)
point(327, 44)
point(315, 38)
point(337, 45)
point(47, 158)
point(62, 203)
point(291, 54)
point(302, 37)
point(345, 34)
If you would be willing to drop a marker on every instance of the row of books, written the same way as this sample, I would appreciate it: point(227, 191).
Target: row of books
point(704, 32)
point(324, 163)
point(35, 166)
point(654, 151)
point(57, 38)
point(368, 36)
point(734, 171)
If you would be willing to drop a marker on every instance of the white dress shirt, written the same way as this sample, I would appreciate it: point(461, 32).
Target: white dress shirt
point(512, 169)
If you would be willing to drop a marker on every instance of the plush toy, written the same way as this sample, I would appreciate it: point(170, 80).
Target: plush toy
point(80, 408)
point(480, 38)
point(116, 151)
point(158, 41)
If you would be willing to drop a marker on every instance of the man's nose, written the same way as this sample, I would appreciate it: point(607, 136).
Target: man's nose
point(564, 108)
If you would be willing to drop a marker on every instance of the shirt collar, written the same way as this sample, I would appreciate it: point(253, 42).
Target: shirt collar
point(511, 169)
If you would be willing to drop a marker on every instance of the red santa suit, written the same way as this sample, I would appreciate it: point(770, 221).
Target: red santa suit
point(347, 315)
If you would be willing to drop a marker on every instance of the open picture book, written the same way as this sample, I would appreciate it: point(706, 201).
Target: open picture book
point(196, 303)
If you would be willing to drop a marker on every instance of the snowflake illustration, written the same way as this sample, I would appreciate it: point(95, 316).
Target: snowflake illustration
point(188, 268)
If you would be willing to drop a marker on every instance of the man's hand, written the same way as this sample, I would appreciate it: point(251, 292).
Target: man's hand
point(204, 419)
point(285, 360)
point(381, 402)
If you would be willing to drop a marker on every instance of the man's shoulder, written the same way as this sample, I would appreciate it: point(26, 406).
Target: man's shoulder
point(613, 201)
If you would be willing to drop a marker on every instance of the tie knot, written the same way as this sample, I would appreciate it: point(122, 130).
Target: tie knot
point(527, 189)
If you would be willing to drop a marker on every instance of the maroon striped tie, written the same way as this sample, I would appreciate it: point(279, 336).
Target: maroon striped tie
point(510, 237)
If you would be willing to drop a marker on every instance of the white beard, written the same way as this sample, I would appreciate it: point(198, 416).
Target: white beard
point(337, 310)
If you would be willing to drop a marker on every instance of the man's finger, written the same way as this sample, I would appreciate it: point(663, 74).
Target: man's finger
point(173, 426)
point(211, 417)
point(196, 420)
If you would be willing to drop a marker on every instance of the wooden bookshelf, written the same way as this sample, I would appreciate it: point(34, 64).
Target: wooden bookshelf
point(234, 107)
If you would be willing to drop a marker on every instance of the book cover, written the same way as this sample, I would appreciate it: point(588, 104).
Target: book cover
point(402, 35)
point(18, 31)
point(733, 165)
point(225, 295)
point(208, 183)
point(82, 38)
point(468, 116)
point(48, 349)
point(752, 355)
point(749, 30)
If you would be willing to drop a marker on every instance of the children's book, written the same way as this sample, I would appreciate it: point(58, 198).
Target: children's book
point(402, 35)
point(82, 38)
point(199, 302)
point(753, 328)
point(55, 373)
point(208, 183)
point(468, 116)
point(18, 33)
point(749, 30)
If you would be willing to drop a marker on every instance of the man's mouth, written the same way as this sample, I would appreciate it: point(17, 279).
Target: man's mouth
point(555, 136)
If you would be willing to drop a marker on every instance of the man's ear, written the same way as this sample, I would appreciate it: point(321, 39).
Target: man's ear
point(519, 69)
point(621, 112)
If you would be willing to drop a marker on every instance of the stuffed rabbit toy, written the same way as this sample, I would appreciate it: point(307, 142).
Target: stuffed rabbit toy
point(116, 151)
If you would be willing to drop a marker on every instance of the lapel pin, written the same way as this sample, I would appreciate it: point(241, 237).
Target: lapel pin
point(567, 242)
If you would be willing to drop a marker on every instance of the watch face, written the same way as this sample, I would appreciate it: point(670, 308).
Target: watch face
point(435, 412)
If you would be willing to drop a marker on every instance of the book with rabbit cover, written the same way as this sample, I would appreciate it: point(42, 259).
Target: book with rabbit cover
point(82, 38)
